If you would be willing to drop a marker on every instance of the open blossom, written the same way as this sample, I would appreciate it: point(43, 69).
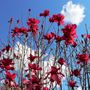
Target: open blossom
point(45, 13)
point(76, 72)
point(7, 64)
point(58, 18)
point(33, 84)
point(6, 48)
point(17, 31)
point(10, 76)
point(69, 32)
point(10, 79)
point(51, 19)
point(32, 58)
point(34, 66)
point(49, 36)
point(72, 83)
point(83, 58)
point(61, 61)
point(33, 21)
point(55, 75)
point(23, 30)
point(58, 38)
point(33, 25)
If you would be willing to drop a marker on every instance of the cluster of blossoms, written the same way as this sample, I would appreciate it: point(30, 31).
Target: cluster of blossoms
point(69, 33)
point(69, 30)
point(58, 18)
point(17, 31)
point(83, 58)
point(7, 65)
point(33, 75)
point(33, 27)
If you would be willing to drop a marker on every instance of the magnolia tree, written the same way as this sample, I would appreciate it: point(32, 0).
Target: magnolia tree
point(47, 56)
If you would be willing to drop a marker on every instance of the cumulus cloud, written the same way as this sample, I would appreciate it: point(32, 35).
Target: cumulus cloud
point(74, 13)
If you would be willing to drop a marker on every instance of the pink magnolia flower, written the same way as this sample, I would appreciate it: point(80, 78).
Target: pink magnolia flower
point(58, 18)
point(32, 58)
point(49, 36)
point(69, 32)
point(7, 64)
point(10, 79)
point(76, 72)
point(32, 21)
point(34, 66)
point(45, 13)
point(72, 83)
point(10, 76)
point(58, 38)
point(17, 31)
point(33, 25)
point(84, 58)
point(61, 61)
point(55, 75)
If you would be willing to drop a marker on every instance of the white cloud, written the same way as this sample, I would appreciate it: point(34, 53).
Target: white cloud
point(74, 13)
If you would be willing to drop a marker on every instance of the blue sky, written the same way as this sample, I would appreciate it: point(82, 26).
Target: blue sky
point(18, 9)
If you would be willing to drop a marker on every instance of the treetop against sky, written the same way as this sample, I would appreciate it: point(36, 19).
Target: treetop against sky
point(18, 9)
